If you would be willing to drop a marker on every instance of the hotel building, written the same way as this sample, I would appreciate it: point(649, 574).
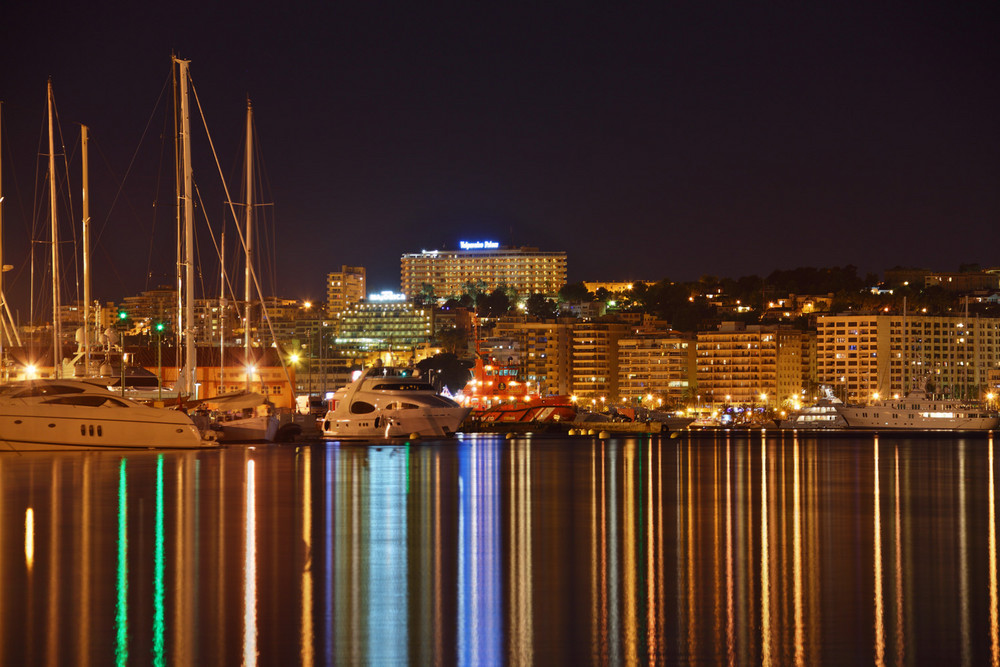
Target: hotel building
point(525, 269)
point(395, 331)
point(859, 355)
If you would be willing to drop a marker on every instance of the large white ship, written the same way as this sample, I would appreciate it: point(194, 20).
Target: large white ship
point(919, 412)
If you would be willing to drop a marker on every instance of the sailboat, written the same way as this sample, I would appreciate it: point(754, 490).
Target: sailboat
point(58, 413)
point(243, 416)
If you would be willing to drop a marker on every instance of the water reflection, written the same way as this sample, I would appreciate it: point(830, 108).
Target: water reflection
point(250, 568)
point(994, 622)
point(770, 549)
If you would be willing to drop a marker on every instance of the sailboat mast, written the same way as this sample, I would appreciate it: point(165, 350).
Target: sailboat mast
point(3, 298)
point(249, 241)
point(56, 346)
point(178, 237)
point(86, 249)
point(190, 363)
point(222, 313)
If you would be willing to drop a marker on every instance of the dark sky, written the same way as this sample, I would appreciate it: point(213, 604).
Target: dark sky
point(647, 140)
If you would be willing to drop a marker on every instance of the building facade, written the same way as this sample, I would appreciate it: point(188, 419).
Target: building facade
point(595, 360)
point(527, 270)
point(660, 365)
point(861, 355)
point(545, 352)
point(345, 288)
point(747, 365)
point(396, 332)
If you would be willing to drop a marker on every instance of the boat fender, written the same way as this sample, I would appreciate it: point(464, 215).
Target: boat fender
point(414, 436)
point(603, 435)
point(591, 432)
point(509, 436)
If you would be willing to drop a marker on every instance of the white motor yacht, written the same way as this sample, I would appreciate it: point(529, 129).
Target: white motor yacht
point(919, 411)
point(53, 414)
point(823, 414)
point(386, 402)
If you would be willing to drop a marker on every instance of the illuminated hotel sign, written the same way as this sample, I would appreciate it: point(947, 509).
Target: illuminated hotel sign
point(478, 245)
point(386, 296)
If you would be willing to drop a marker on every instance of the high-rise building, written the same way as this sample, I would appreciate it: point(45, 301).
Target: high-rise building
point(859, 355)
point(743, 364)
point(344, 289)
point(446, 272)
point(656, 363)
point(595, 360)
point(545, 351)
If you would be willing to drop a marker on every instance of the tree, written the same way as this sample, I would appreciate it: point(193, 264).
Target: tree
point(475, 291)
point(574, 292)
point(453, 340)
point(425, 297)
point(538, 306)
point(445, 369)
point(496, 304)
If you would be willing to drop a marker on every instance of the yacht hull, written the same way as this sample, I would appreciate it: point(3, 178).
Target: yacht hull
point(89, 429)
point(921, 419)
point(441, 423)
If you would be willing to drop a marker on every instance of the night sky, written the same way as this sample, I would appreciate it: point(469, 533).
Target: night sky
point(646, 140)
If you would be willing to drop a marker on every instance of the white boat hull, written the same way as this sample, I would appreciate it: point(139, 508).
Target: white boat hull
point(250, 429)
point(91, 428)
point(440, 423)
point(885, 418)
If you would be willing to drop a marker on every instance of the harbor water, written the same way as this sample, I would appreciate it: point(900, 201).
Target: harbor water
point(723, 548)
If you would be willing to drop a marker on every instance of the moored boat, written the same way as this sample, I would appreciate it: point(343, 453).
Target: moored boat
point(920, 411)
point(55, 414)
point(822, 414)
point(385, 402)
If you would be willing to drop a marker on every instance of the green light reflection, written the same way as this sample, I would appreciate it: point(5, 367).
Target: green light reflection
point(121, 606)
point(159, 658)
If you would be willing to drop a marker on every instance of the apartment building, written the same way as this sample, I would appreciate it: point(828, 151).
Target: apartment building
point(545, 350)
point(661, 364)
point(860, 355)
point(595, 359)
point(748, 364)
point(345, 288)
